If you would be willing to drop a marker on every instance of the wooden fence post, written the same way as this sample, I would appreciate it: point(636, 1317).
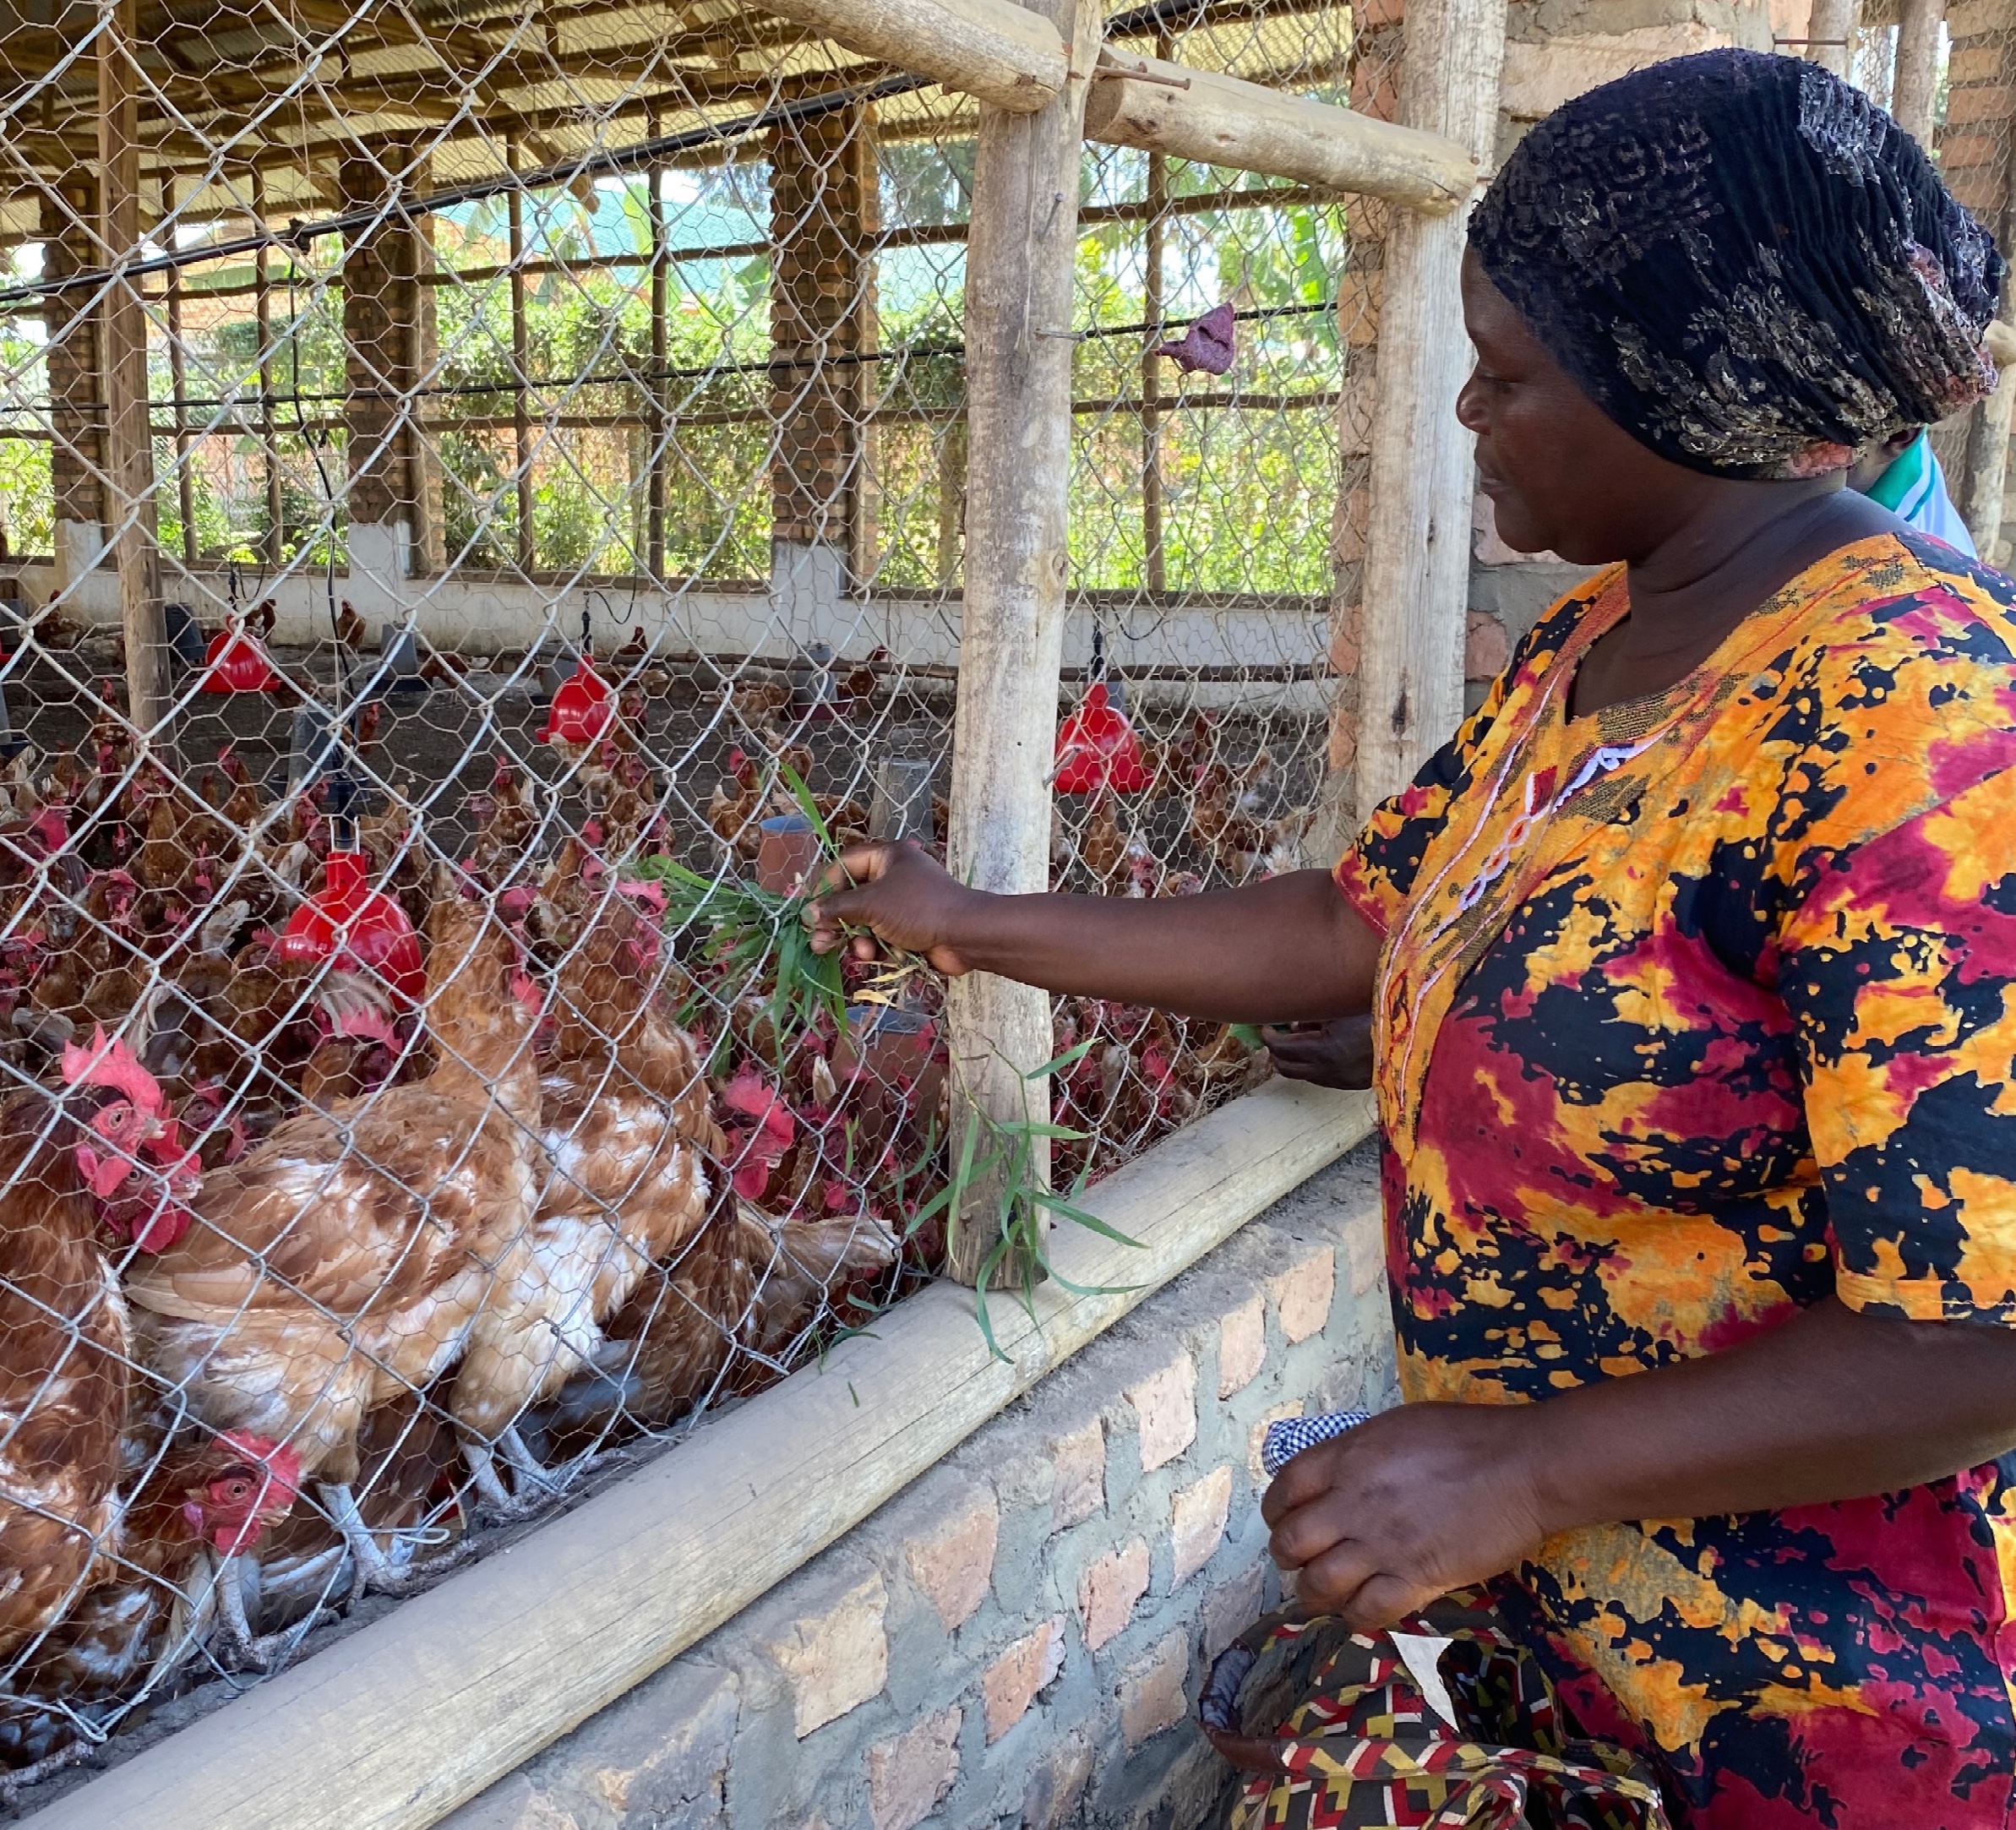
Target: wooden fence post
point(1416, 575)
point(1988, 425)
point(1019, 273)
point(1831, 32)
point(129, 505)
point(1915, 89)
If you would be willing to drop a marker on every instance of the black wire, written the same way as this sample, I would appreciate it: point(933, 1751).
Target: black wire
point(606, 163)
point(642, 377)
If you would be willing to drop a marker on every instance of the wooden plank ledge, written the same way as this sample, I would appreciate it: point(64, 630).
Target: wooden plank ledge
point(1014, 58)
point(993, 49)
point(393, 1727)
point(1227, 121)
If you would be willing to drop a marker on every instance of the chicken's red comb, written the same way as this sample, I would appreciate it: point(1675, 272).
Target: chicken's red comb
point(108, 1062)
point(280, 1460)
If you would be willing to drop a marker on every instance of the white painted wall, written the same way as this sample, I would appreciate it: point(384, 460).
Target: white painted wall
point(478, 615)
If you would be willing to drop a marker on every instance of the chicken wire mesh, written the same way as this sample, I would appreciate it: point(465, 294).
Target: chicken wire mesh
point(420, 1096)
point(1973, 141)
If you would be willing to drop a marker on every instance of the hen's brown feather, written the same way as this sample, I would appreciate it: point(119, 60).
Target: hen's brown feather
point(624, 1112)
point(64, 1380)
point(345, 1258)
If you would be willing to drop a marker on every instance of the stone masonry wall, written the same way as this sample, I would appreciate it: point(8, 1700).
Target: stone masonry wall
point(1016, 1641)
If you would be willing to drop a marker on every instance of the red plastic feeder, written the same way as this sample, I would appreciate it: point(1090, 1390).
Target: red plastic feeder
point(581, 709)
point(1096, 748)
point(235, 662)
point(357, 929)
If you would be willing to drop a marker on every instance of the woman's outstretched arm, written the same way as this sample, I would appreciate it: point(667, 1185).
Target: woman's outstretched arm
point(1289, 950)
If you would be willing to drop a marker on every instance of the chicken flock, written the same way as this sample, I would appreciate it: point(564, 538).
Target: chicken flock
point(302, 1277)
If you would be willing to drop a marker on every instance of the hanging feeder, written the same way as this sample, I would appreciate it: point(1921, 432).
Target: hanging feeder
point(1096, 748)
point(357, 929)
point(583, 707)
point(237, 662)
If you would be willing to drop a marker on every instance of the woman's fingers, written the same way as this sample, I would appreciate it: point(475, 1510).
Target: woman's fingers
point(1329, 1584)
point(897, 894)
point(1336, 1054)
point(1307, 1478)
point(1382, 1599)
point(857, 865)
point(844, 898)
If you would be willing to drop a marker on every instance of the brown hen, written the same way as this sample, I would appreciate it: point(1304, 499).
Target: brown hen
point(346, 1259)
point(65, 1335)
point(624, 1109)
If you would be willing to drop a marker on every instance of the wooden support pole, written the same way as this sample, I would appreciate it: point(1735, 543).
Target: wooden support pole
point(656, 420)
point(1915, 89)
point(1416, 579)
point(1019, 272)
point(1831, 35)
point(1011, 58)
point(1154, 229)
point(1001, 54)
point(129, 505)
point(952, 499)
point(521, 361)
point(262, 274)
point(178, 375)
point(1227, 121)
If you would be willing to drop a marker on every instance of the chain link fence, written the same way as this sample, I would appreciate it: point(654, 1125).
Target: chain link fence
point(420, 1096)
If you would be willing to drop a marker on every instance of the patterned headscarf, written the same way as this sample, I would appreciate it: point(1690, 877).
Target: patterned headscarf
point(1745, 263)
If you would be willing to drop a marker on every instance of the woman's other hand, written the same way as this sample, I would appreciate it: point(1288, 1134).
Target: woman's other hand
point(1326, 1054)
point(1417, 1501)
point(897, 894)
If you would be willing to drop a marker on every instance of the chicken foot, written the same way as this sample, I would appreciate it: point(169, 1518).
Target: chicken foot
point(373, 1571)
point(70, 1754)
point(240, 1648)
point(190, 1623)
point(531, 1485)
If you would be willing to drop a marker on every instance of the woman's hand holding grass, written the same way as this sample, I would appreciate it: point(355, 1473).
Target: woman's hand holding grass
point(1288, 949)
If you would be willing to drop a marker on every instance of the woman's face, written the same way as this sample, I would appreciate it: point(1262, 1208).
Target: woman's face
point(1561, 473)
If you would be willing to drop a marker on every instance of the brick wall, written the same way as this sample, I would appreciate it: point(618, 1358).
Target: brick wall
point(391, 349)
point(1017, 1640)
point(1554, 49)
point(823, 216)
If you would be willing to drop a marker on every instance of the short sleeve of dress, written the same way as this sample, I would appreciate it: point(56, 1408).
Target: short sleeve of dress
point(1899, 968)
point(1377, 871)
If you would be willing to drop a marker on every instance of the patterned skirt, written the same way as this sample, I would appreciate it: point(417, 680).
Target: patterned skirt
point(1444, 1721)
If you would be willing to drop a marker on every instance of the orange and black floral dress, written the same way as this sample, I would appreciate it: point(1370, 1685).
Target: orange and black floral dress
point(1692, 1012)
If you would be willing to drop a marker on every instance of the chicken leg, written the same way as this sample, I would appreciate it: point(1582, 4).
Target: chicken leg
point(371, 1571)
point(241, 1649)
point(532, 1485)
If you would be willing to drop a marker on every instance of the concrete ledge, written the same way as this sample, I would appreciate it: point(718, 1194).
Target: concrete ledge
point(397, 1724)
point(1016, 1641)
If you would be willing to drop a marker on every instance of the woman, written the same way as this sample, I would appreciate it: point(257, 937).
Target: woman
point(1693, 959)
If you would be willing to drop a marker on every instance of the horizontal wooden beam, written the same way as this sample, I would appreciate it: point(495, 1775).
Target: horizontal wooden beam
point(1227, 121)
point(993, 50)
point(399, 1723)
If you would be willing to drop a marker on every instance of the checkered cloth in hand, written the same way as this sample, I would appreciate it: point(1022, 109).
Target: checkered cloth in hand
point(1287, 1438)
